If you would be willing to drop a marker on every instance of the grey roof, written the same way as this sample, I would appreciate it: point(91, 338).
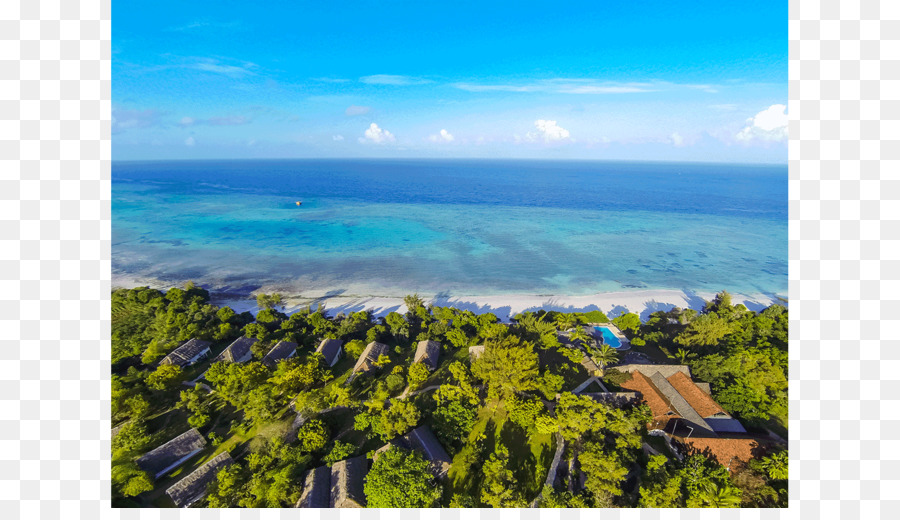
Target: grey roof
point(316, 488)
point(705, 387)
point(614, 398)
point(281, 350)
point(182, 355)
point(329, 348)
point(678, 402)
point(368, 357)
point(725, 425)
point(237, 350)
point(476, 352)
point(172, 453)
point(193, 487)
point(347, 479)
point(428, 352)
point(667, 371)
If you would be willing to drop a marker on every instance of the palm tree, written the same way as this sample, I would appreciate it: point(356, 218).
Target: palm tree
point(565, 321)
point(579, 335)
point(603, 356)
point(713, 495)
point(683, 355)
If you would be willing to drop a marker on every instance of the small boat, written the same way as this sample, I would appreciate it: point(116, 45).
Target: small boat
point(299, 202)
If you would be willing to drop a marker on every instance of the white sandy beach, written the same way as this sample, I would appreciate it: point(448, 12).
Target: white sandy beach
point(642, 302)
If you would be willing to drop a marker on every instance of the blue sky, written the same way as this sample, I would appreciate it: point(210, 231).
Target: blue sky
point(697, 81)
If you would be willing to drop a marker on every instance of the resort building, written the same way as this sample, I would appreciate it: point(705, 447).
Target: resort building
point(316, 488)
point(677, 402)
point(190, 352)
point(331, 350)
point(347, 479)
point(238, 352)
point(428, 352)
point(422, 440)
point(172, 454)
point(475, 352)
point(192, 488)
point(281, 350)
point(369, 356)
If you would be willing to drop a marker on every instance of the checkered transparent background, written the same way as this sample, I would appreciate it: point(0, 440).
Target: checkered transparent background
point(844, 103)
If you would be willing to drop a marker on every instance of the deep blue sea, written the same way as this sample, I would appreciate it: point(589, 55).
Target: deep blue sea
point(474, 227)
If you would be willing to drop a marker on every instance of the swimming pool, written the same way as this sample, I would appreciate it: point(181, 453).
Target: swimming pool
point(609, 337)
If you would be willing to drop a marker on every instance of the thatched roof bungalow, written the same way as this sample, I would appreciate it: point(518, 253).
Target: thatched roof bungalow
point(331, 350)
point(190, 352)
point(347, 480)
point(316, 488)
point(422, 440)
point(281, 350)
point(369, 356)
point(428, 352)
point(193, 487)
point(238, 352)
point(172, 454)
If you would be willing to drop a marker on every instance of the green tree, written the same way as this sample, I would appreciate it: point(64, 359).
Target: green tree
point(660, 487)
point(605, 470)
point(132, 437)
point(499, 486)
point(400, 478)
point(719, 496)
point(418, 373)
point(269, 301)
point(683, 356)
point(313, 435)
point(165, 377)
point(628, 323)
point(507, 366)
point(128, 480)
point(340, 451)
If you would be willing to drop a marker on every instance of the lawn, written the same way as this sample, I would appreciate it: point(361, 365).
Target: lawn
point(530, 455)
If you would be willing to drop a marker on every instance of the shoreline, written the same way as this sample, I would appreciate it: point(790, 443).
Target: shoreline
point(640, 301)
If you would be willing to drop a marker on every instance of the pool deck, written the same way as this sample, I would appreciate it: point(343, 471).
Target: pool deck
point(626, 345)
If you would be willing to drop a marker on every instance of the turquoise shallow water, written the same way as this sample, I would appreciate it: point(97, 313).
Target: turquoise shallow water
point(466, 227)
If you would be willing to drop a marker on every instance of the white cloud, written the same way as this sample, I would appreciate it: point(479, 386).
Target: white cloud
point(769, 125)
point(374, 134)
point(356, 110)
point(443, 137)
point(189, 141)
point(392, 79)
point(186, 121)
point(676, 139)
point(337, 137)
point(563, 86)
point(548, 131)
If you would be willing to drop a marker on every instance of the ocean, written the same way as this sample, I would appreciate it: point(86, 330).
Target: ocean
point(452, 227)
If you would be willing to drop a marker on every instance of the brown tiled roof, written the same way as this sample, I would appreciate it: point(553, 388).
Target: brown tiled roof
point(659, 405)
point(722, 450)
point(697, 398)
